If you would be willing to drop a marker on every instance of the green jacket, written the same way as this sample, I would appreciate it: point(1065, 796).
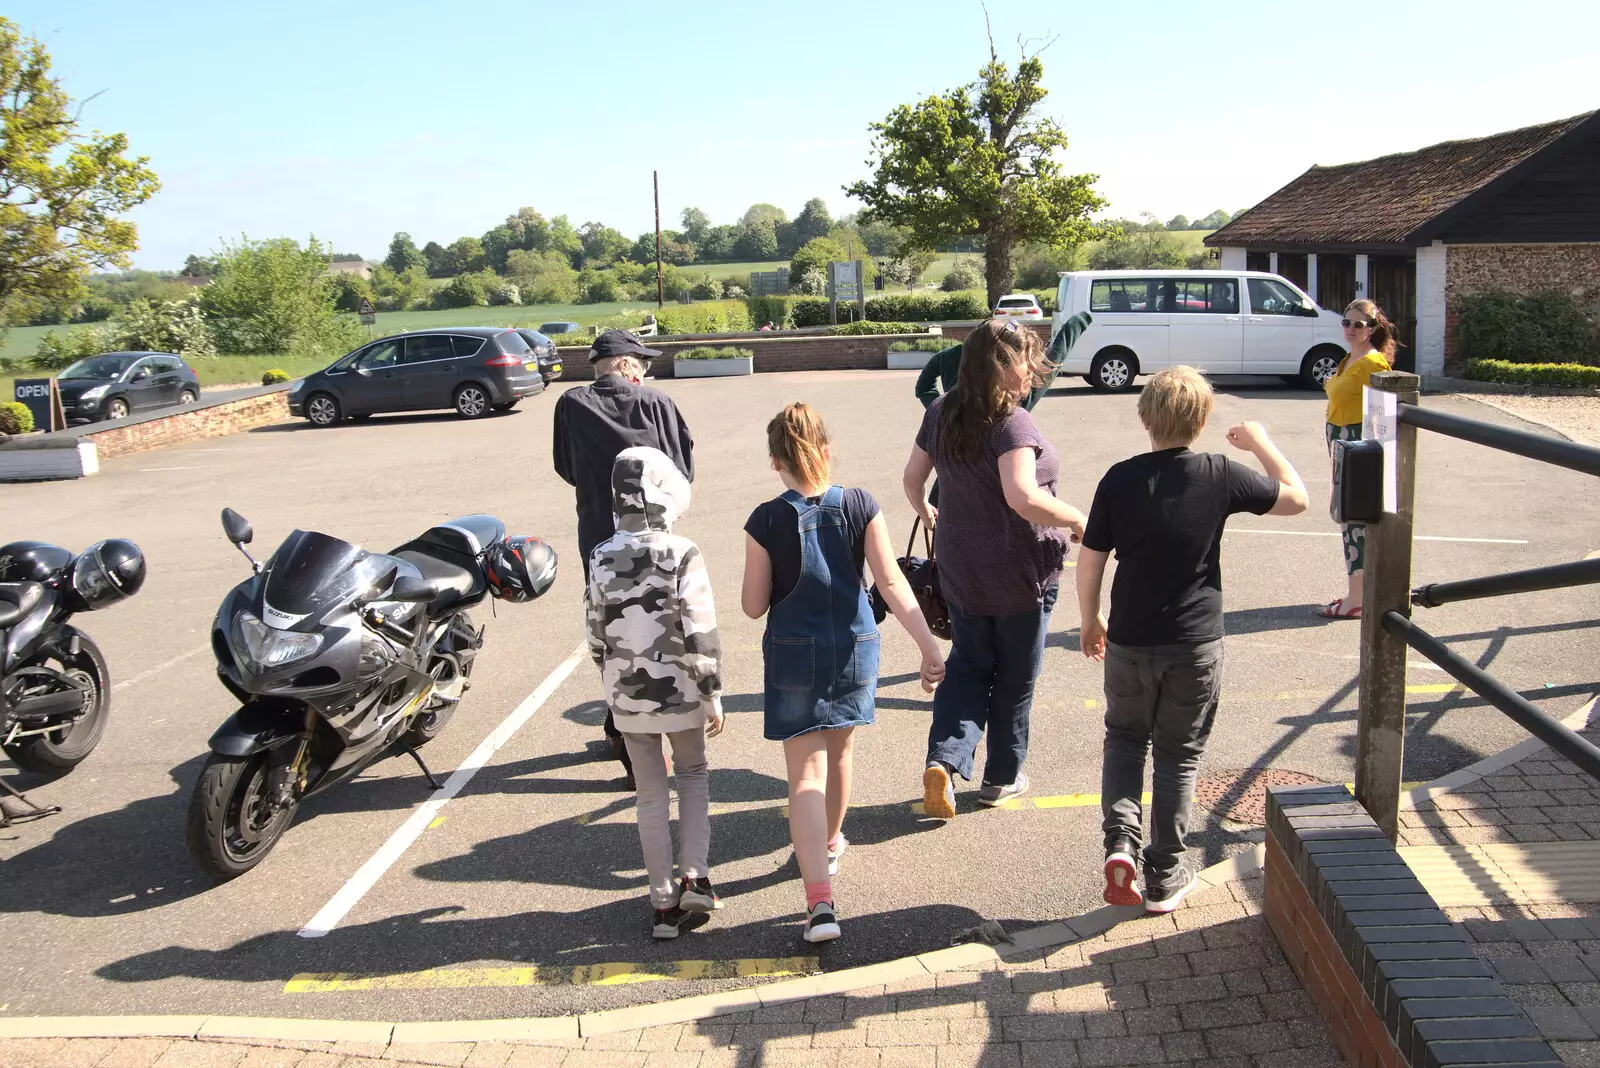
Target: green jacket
point(945, 367)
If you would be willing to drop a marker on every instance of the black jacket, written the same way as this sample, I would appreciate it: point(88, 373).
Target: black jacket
point(594, 424)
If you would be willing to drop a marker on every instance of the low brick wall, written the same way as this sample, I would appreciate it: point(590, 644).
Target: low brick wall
point(959, 331)
point(1393, 978)
point(816, 353)
point(192, 424)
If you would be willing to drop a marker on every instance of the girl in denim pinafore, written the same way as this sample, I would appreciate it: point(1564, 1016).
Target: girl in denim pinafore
point(804, 557)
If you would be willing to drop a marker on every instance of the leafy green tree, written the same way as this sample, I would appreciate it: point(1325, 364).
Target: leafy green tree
point(815, 254)
point(565, 240)
point(696, 226)
point(883, 239)
point(757, 241)
point(528, 230)
point(496, 245)
point(543, 277)
point(768, 212)
point(814, 221)
point(602, 245)
point(907, 268)
point(349, 291)
point(61, 191)
point(464, 256)
point(404, 254)
point(1137, 246)
point(964, 274)
point(274, 296)
point(719, 244)
point(437, 259)
point(198, 267)
point(400, 292)
point(463, 291)
point(1178, 222)
point(1215, 221)
point(979, 162)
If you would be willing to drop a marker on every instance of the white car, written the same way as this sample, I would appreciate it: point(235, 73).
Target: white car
point(1018, 305)
point(1222, 322)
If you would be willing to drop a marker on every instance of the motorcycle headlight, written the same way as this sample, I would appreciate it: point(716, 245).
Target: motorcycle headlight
point(93, 394)
point(264, 647)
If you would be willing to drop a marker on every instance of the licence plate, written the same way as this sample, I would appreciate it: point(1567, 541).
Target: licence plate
point(555, 368)
point(530, 366)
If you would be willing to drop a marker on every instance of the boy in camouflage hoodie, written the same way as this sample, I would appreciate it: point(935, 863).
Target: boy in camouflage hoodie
point(653, 631)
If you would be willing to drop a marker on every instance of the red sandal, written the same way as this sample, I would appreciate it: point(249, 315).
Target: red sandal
point(1335, 610)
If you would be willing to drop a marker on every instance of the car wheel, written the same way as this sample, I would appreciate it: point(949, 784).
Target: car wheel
point(1113, 370)
point(187, 397)
point(471, 401)
point(1319, 366)
point(116, 408)
point(323, 410)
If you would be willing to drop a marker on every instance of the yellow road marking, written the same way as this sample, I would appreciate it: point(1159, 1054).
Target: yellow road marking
point(1436, 687)
point(1091, 703)
point(439, 822)
point(552, 975)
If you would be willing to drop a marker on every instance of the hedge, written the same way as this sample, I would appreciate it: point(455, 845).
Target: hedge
point(1569, 375)
point(774, 310)
point(15, 418)
point(927, 307)
point(704, 317)
point(274, 376)
point(710, 352)
point(871, 326)
point(1544, 328)
point(922, 344)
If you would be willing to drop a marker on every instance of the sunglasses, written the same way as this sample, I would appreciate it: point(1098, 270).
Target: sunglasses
point(1357, 324)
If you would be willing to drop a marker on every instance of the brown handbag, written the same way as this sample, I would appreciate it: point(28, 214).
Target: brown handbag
point(923, 575)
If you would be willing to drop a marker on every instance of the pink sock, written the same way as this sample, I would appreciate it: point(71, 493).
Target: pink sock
point(816, 893)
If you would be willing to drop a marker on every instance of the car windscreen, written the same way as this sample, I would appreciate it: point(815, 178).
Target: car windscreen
point(104, 368)
point(312, 571)
point(1016, 302)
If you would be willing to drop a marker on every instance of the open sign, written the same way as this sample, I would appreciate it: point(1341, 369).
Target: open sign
point(33, 389)
point(43, 400)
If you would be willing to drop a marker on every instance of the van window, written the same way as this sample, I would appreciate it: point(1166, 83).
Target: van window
point(1127, 295)
point(425, 348)
point(1271, 297)
point(466, 346)
point(1219, 296)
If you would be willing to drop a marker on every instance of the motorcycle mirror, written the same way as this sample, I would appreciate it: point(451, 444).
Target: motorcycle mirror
point(411, 588)
point(237, 527)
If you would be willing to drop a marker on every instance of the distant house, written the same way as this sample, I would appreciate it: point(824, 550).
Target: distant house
point(360, 268)
point(1416, 232)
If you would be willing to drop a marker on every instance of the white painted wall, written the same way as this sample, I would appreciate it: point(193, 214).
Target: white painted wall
point(1363, 290)
point(1232, 259)
point(1311, 275)
point(1431, 263)
point(1272, 262)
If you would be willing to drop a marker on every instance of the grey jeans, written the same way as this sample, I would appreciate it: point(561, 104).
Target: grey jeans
point(654, 809)
point(1162, 697)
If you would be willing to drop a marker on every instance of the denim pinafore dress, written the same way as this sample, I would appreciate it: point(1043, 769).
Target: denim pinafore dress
point(821, 644)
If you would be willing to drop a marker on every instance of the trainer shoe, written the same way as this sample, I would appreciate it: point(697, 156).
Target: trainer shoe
point(1122, 875)
point(992, 796)
point(938, 792)
point(1170, 894)
point(834, 853)
point(669, 922)
point(696, 895)
point(821, 924)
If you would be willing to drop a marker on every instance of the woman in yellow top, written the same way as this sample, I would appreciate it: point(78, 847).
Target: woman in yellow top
point(1371, 337)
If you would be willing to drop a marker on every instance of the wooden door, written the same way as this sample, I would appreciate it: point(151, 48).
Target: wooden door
point(1336, 281)
point(1392, 281)
point(1292, 265)
point(1257, 261)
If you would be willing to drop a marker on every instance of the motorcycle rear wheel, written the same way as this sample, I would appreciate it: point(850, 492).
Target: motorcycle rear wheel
point(431, 721)
point(61, 751)
point(230, 826)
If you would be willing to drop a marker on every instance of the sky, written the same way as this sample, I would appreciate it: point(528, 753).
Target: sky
point(353, 120)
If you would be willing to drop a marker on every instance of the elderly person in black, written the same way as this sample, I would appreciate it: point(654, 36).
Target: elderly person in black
point(593, 424)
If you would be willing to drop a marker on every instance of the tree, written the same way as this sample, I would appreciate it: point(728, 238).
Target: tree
point(528, 230)
point(907, 268)
point(757, 241)
point(815, 254)
point(274, 296)
point(404, 254)
point(198, 267)
point(437, 259)
point(1215, 221)
point(812, 222)
point(768, 212)
point(602, 245)
point(882, 239)
point(1178, 222)
point(496, 244)
point(61, 191)
point(403, 291)
point(696, 226)
point(977, 161)
point(464, 256)
point(565, 240)
point(1137, 246)
point(719, 244)
point(543, 277)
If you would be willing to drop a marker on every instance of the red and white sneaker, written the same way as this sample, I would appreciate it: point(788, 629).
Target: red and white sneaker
point(1122, 877)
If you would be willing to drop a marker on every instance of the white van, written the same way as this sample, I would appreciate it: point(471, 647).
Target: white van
point(1223, 322)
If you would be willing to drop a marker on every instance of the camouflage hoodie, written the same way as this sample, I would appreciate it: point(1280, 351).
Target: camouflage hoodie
point(652, 626)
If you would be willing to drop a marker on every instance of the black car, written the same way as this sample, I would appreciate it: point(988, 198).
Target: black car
point(473, 369)
point(113, 385)
point(545, 350)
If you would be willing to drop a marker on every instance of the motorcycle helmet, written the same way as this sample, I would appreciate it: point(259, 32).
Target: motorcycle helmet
point(520, 568)
point(106, 572)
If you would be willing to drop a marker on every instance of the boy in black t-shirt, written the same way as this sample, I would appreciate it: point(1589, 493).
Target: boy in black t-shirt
point(1162, 512)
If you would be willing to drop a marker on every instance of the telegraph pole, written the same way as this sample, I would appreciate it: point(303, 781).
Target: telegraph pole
point(655, 179)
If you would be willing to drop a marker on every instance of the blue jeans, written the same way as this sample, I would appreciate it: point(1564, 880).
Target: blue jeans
point(988, 683)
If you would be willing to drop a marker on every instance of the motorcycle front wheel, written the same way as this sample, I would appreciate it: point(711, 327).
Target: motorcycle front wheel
point(231, 825)
point(61, 751)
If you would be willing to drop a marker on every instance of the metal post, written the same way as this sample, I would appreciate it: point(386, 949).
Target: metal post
point(1381, 729)
point(655, 180)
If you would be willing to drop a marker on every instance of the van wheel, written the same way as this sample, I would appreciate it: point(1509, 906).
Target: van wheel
point(1113, 370)
point(1319, 366)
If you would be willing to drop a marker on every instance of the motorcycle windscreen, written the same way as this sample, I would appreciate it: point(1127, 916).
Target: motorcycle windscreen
point(311, 572)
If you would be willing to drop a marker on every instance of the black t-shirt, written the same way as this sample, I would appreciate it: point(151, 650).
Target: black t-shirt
point(776, 527)
point(1163, 513)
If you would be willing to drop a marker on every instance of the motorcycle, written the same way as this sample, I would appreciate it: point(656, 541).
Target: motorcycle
point(339, 656)
point(55, 690)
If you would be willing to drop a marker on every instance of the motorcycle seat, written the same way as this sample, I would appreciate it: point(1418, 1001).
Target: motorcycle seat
point(455, 583)
point(17, 599)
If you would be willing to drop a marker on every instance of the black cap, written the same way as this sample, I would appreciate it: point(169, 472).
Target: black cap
point(619, 343)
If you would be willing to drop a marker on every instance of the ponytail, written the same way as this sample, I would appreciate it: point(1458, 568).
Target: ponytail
point(797, 439)
point(1385, 335)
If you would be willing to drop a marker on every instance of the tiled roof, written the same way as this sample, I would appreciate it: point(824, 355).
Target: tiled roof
point(1385, 200)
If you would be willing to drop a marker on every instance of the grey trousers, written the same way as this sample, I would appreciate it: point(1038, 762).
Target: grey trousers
point(1162, 697)
point(654, 809)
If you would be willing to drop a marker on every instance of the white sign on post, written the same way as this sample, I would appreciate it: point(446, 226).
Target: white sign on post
point(1380, 421)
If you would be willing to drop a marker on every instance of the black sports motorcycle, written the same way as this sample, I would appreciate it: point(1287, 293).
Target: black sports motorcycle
point(55, 691)
point(338, 656)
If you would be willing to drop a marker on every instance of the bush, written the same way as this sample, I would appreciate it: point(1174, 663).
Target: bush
point(963, 275)
point(706, 288)
point(274, 296)
point(813, 311)
point(164, 326)
point(505, 293)
point(15, 418)
point(59, 348)
point(273, 376)
point(1566, 375)
point(707, 317)
point(814, 283)
point(462, 291)
point(708, 352)
point(870, 327)
point(774, 310)
point(599, 287)
point(921, 344)
point(1544, 328)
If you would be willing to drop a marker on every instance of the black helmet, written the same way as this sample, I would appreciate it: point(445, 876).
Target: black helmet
point(106, 572)
point(520, 568)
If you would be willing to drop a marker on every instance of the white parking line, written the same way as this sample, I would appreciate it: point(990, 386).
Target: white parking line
point(159, 668)
point(1336, 534)
point(363, 880)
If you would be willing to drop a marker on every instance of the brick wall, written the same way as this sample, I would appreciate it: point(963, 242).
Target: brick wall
point(867, 353)
point(192, 424)
point(959, 331)
point(1523, 270)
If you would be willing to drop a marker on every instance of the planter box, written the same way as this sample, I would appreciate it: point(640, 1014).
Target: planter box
point(713, 368)
point(40, 459)
point(909, 361)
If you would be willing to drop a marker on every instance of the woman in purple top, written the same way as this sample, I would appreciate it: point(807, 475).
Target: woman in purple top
point(999, 536)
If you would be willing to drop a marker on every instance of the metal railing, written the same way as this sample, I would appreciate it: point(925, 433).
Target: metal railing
point(1387, 630)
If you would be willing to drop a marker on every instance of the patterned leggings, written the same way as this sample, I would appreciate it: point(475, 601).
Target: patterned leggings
point(1355, 534)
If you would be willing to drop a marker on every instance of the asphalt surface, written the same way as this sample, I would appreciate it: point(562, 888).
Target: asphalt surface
point(536, 862)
